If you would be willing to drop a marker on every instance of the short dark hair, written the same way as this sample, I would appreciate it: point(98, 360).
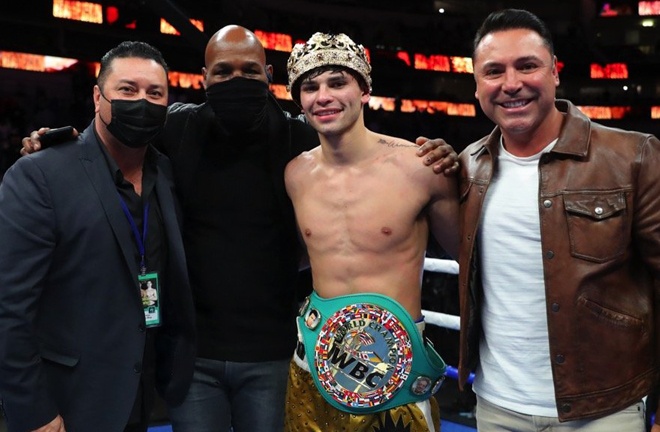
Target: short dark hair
point(511, 19)
point(128, 49)
point(295, 89)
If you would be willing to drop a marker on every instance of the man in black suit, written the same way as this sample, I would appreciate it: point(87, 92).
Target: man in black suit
point(82, 226)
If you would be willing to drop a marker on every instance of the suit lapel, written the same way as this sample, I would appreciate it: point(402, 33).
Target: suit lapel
point(99, 176)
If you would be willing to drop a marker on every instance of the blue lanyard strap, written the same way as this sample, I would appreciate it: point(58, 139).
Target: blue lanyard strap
point(140, 240)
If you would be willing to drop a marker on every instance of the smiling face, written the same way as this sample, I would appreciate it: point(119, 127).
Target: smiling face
point(332, 101)
point(516, 78)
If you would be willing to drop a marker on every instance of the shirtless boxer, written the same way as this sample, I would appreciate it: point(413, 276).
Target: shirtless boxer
point(364, 207)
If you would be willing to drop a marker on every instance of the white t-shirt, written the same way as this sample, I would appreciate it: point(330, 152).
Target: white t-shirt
point(514, 370)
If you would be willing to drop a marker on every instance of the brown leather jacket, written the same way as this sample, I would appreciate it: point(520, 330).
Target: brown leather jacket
point(599, 204)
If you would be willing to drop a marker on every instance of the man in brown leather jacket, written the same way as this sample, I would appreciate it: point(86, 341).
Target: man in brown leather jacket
point(560, 249)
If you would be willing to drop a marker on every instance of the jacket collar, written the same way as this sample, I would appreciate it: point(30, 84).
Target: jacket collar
point(574, 136)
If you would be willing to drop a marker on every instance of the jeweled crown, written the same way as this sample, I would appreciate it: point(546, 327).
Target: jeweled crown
point(327, 49)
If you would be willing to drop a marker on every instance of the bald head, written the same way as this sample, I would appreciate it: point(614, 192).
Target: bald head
point(234, 51)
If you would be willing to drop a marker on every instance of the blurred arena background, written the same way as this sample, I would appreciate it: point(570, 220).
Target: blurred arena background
point(609, 54)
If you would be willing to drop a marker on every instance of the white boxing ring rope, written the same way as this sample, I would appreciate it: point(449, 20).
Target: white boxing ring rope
point(451, 322)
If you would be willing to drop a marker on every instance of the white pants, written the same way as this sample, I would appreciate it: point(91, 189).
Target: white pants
point(492, 418)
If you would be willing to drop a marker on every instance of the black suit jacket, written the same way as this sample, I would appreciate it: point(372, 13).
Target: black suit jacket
point(72, 330)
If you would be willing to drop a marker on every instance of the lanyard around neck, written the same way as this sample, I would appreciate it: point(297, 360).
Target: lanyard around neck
point(140, 240)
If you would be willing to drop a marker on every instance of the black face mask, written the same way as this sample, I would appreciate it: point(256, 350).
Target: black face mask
point(239, 104)
point(136, 123)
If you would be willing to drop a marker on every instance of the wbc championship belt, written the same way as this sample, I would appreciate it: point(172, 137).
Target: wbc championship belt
point(365, 353)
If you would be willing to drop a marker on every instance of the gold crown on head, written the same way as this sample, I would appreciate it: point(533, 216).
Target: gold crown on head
point(324, 49)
